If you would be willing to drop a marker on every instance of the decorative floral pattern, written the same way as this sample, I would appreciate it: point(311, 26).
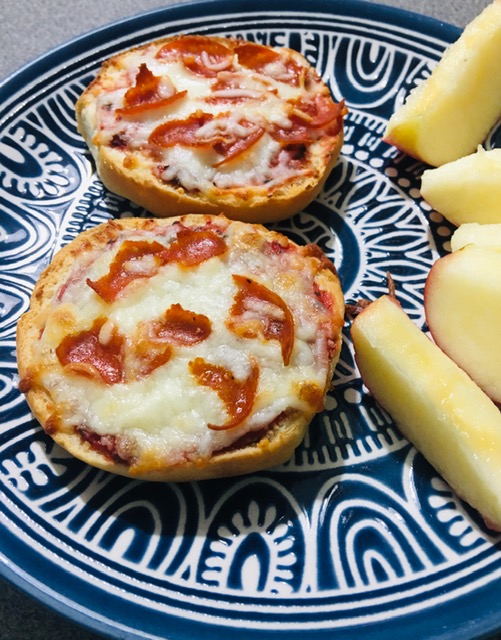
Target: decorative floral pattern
point(356, 529)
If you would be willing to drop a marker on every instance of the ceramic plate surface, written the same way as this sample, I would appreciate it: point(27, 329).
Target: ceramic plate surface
point(356, 536)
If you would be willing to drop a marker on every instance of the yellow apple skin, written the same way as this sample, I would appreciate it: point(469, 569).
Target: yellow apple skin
point(462, 302)
point(466, 190)
point(452, 111)
point(435, 404)
point(484, 235)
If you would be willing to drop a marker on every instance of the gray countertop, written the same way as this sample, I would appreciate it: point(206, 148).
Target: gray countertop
point(28, 29)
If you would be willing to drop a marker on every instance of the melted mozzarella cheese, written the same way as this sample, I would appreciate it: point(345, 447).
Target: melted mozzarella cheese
point(168, 411)
point(194, 169)
point(191, 167)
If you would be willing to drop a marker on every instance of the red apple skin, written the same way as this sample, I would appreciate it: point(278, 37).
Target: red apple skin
point(457, 328)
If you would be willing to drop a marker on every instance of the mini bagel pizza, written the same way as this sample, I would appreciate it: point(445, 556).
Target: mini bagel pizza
point(182, 348)
point(199, 124)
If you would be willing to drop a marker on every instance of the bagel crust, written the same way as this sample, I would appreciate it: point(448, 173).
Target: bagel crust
point(181, 349)
point(201, 124)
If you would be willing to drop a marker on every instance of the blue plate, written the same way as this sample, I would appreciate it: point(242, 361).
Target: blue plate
point(356, 536)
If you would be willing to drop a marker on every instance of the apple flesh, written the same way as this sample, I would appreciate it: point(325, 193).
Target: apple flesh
point(462, 302)
point(484, 235)
point(435, 404)
point(466, 190)
point(451, 112)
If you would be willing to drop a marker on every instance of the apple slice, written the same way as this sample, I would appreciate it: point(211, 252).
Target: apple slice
point(451, 112)
point(468, 189)
point(435, 403)
point(485, 235)
point(462, 301)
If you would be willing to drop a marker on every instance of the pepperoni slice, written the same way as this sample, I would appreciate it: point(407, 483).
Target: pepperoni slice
point(88, 354)
point(310, 120)
point(201, 55)
point(256, 56)
point(194, 246)
point(143, 107)
point(298, 133)
point(187, 133)
point(238, 396)
point(148, 356)
point(322, 110)
point(127, 267)
point(147, 93)
point(302, 131)
point(142, 259)
point(145, 90)
point(154, 346)
point(258, 310)
point(181, 327)
point(269, 62)
point(183, 132)
point(234, 149)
